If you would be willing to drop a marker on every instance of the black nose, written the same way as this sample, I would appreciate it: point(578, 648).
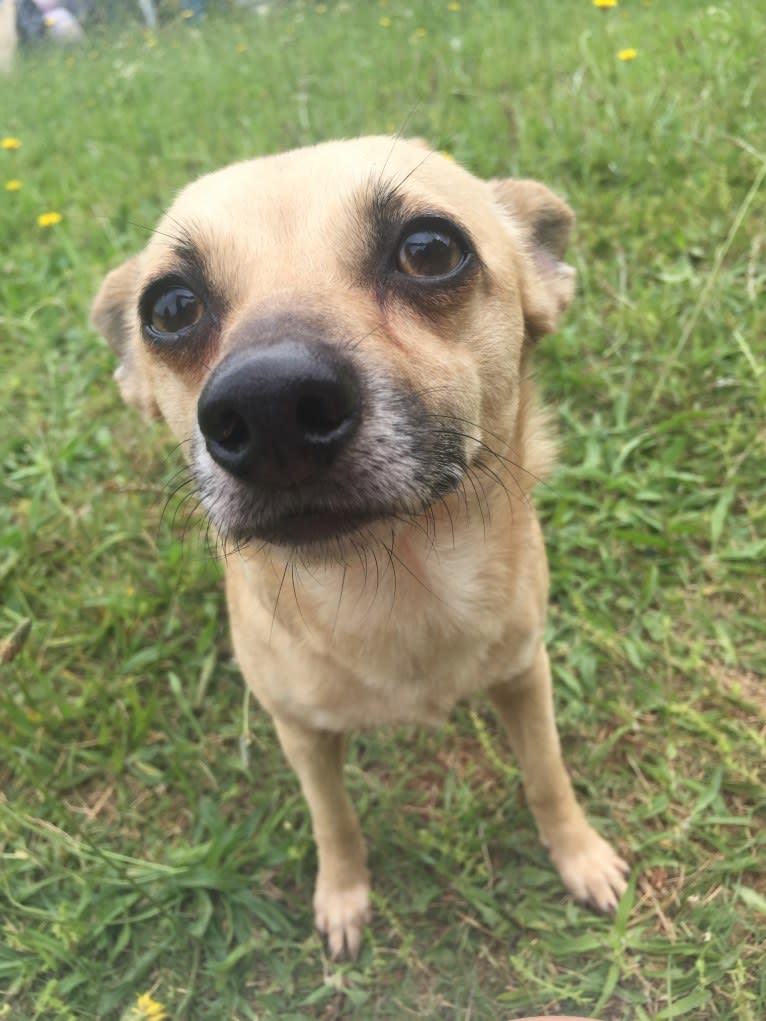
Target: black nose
point(279, 414)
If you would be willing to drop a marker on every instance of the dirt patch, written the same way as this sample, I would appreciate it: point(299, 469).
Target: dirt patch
point(743, 684)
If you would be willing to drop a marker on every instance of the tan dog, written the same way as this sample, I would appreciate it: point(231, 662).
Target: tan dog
point(339, 336)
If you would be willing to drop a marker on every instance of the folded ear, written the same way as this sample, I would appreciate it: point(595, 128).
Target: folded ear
point(547, 222)
point(113, 315)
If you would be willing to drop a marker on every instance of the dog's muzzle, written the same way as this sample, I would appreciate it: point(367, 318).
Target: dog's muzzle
point(277, 419)
point(303, 445)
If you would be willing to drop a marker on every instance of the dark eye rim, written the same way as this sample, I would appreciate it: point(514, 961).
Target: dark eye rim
point(441, 225)
point(152, 293)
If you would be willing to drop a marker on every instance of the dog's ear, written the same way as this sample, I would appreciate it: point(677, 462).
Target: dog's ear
point(113, 315)
point(547, 222)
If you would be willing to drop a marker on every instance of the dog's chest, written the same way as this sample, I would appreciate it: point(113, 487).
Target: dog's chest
point(404, 646)
point(414, 669)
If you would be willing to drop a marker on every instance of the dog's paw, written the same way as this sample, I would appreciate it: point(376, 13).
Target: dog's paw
point(592, 870)
point(340, 916)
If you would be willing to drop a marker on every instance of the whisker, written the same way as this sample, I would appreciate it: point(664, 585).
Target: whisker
point(396, 140)
point(180, 503)
point(340, 597)
point(352, 345)
point(295, 594)
point(396, 188)
point(413, 520)
point(495, 453)
point(276, 601)
point(445, 505)
point(478, 465)
point(522, 494)
point(193, 502)
point(469, 476)
point(361, 553)
point(395, 556)
point(390, 555)
point(155, 230)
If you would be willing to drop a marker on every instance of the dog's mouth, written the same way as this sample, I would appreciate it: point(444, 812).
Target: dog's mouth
point(313, 526)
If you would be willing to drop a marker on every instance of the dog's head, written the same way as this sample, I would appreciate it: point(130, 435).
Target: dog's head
point(337, 334)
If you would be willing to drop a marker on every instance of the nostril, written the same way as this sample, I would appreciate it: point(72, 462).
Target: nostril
point(229, 430)
point(315, 416)
point(322, 412)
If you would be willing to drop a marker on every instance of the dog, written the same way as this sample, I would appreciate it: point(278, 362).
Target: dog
point(340, 338)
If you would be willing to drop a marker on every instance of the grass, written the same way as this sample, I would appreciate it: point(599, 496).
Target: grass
point(152, 839)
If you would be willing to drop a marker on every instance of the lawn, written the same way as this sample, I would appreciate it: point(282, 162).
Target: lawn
point(153, 840)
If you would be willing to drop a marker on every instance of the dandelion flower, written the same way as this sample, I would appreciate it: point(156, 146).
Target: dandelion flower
point(186, 13)
point(49, 219)
point(385, 22)
point(153, 1010)
point(146, 1009)
point(420, 33)
point(10, 143)
point(454, 6)
point(13, 185)
point(628, 54)
point(604, 4)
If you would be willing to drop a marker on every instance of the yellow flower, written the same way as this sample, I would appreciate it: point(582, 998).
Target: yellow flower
point(13, 185)
point(49, 219)
point(151, 39)
point(605, 4)
point(149, 1009)
point(385, 22)
point(420, 33)
point(453, 6)
point(628, 54)
point(10, 143)
point(186, 13)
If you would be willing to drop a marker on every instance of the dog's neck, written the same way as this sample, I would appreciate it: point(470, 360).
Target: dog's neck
point(440, 567)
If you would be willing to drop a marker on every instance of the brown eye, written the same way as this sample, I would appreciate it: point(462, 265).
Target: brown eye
point(431, 251)
point(175, 310)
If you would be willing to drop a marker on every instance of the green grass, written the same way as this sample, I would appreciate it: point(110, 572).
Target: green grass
point(152, 838)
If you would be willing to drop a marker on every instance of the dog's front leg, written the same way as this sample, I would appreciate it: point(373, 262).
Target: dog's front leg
point(342, 893)
point(590, 868)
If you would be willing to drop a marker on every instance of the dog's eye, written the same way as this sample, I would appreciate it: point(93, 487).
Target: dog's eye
point(431, 250)
point(176, 309)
